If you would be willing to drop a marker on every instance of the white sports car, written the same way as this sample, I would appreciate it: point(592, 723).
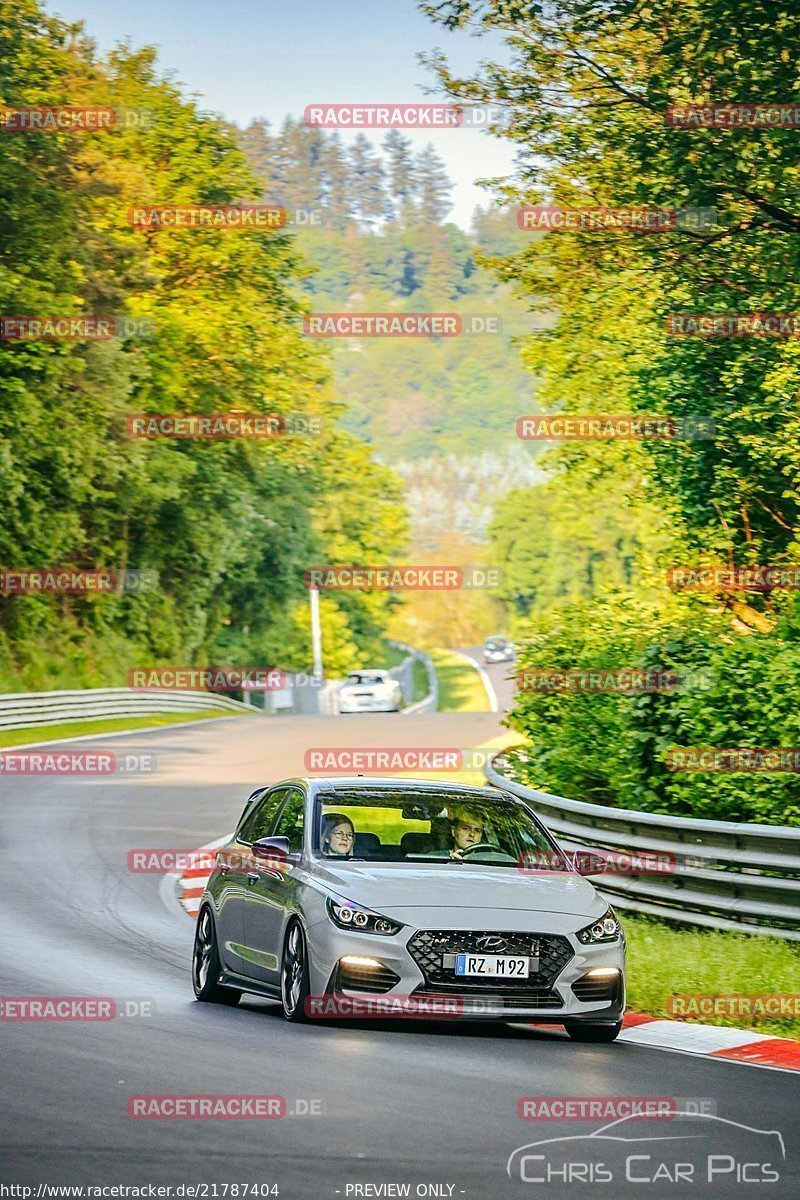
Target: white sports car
point(408, 897)
point(498, 649)
point(370, 691)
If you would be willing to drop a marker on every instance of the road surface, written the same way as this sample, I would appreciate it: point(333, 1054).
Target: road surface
point(398, 1103)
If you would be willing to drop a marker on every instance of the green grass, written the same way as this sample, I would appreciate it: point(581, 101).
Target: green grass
point(420, 680)
point(50, 733)
point(664, 961)
point(460, 686)
point(392, 657)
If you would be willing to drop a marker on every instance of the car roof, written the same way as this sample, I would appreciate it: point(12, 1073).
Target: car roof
point(317, 783)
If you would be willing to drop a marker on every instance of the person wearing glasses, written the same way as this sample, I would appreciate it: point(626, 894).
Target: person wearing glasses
point(337, 836)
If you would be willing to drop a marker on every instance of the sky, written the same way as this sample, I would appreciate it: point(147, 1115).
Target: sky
point(267, 58)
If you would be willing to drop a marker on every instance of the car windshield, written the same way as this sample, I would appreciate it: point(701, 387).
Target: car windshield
point(425, 826)
point(495, 643)
point(365, 677)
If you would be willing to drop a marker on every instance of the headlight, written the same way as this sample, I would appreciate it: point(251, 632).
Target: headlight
point(605, 929)
point(362, 920)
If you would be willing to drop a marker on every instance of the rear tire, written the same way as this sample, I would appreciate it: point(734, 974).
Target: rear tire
point(295, 986)
point(580, 1032)
point(206, 965)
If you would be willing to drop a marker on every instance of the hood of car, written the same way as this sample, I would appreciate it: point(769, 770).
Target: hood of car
point(389, 887)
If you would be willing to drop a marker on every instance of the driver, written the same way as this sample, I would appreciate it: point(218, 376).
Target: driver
point(337, 836)
point(466, 829)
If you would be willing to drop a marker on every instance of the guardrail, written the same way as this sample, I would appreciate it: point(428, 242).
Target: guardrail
point(22, 710)
point(429, 703)
point(726, 875)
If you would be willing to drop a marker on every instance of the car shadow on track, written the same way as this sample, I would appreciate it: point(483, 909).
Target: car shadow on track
point(443, 1027)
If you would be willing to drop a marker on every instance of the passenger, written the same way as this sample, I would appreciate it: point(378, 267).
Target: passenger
point(338, 836)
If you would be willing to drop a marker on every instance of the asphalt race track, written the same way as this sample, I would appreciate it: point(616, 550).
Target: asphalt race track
point(398, 1103)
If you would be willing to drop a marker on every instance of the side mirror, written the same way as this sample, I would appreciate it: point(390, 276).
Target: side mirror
point(589, 862)
point(274, 849)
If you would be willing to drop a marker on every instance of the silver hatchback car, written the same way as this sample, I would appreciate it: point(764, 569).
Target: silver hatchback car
point(389, 897)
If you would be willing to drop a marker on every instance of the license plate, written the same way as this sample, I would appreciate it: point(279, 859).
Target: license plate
point(503, 966)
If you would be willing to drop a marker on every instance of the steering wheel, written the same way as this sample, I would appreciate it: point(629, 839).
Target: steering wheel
point(469, 850)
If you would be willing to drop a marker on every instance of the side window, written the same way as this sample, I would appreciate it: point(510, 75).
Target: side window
point(259, 823)
point(290, 822)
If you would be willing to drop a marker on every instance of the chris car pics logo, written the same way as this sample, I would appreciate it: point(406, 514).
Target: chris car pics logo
point(700, 1148)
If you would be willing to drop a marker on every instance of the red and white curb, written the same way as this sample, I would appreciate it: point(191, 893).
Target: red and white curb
point(715, 1041)
point(191, 883)
point(656, 1033)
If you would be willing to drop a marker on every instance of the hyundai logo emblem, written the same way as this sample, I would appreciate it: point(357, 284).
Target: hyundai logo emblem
point(491, 944)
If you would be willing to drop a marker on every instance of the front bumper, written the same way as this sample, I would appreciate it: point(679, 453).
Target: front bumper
point(350, 704)
point(410, 960)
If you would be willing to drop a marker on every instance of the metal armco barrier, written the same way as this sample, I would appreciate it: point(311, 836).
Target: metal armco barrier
point(404, 672)
point(726, 875)
point(21, 710)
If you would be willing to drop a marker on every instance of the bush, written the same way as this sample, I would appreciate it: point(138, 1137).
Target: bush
point(612, 748)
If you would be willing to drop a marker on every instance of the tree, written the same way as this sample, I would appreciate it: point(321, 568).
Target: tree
point(433, 187)
point(366, 181)
point(401, 174)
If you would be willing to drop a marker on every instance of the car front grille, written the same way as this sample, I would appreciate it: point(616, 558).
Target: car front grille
point(433, 951)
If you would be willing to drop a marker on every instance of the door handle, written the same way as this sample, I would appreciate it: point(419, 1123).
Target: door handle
point(253, 876)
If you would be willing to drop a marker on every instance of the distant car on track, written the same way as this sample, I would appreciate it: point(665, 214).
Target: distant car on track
point(498, 649)
point(407, 888)
point(370, 691)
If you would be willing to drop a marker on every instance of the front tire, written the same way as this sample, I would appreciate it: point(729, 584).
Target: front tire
point(206, 965)
point(583, 1032)
point(295, 986)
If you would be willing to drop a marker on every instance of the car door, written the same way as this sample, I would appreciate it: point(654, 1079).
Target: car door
point(271, 895)
point(235, 862)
